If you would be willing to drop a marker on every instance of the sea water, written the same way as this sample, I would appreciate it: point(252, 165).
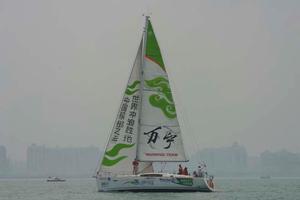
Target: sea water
point(85, 189)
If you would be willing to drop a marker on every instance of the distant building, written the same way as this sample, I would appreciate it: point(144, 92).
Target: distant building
point(45, 161)
point(224, 161)
point(281, 163)
point(4, 163)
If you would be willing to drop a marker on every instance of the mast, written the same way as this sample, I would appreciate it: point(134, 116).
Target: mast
point(142, 77)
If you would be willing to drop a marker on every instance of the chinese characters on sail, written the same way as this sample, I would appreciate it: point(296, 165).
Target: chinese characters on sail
point(153, 135)
point(126, 121)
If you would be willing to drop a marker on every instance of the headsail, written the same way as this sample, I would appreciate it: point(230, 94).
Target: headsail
point(160, 135)
point(121, 148)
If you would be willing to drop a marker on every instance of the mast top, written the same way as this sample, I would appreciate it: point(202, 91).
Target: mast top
point(147, 15)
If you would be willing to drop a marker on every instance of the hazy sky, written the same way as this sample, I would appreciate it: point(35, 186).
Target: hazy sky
point(233, 65)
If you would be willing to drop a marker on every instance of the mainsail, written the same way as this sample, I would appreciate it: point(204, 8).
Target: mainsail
point(122, 145)
point(160, 135)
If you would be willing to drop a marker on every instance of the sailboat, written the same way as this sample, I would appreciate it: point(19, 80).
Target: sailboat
point(146, 130)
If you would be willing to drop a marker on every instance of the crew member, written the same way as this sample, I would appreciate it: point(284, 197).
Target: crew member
point(180, 170)
point(200, 173)
point(135, 165)
point(185, 171)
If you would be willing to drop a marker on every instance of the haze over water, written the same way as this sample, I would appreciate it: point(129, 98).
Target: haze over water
point(78, 189)
point(233, 67)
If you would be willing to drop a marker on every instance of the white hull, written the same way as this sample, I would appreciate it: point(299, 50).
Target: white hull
point(163, 183)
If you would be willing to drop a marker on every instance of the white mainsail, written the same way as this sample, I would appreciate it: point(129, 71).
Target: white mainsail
point(120, 151)
point(160, 135)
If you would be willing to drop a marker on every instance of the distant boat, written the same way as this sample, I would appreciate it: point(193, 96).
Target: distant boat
point(146, 130)
point(55, 179)
point(265, 177)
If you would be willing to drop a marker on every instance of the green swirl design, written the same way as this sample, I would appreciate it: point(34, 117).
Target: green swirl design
point(163, 98)
point(107, 162)
point(113, 153)
point(131, 89)
point(117, 148)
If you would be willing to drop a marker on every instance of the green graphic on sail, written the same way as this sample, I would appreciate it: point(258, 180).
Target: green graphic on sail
point(163, 98)
point(112, 156)
point(133, 88)
point(152, 49)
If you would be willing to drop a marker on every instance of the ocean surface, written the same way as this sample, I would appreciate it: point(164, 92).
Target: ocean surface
point(85, 189)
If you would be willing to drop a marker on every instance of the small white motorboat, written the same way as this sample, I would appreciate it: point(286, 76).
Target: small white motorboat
point(55, 179)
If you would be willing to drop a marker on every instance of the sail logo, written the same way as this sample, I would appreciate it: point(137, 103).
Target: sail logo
point(112, 157)
point(154, 137)
point(131, 89)
point(162, 99)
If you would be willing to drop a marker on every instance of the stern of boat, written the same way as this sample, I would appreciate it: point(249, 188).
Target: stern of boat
point(210, 183)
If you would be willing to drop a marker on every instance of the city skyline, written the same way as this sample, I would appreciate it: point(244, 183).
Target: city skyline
point(228, 161)
point(101, 149)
